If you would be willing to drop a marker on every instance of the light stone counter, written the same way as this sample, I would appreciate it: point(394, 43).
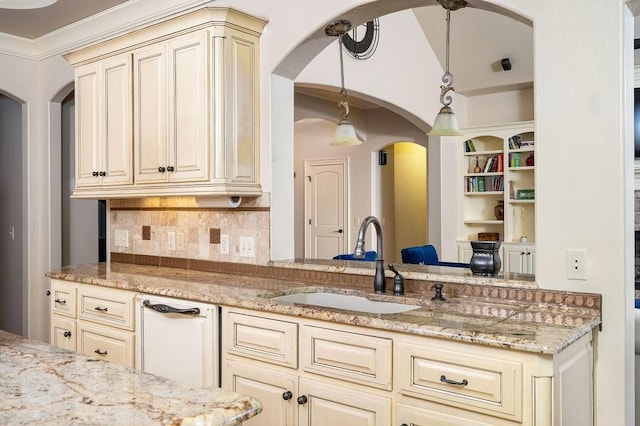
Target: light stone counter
point(533, 320)
point(42, 384)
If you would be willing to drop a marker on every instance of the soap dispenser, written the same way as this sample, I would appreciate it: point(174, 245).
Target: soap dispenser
point(398, 281)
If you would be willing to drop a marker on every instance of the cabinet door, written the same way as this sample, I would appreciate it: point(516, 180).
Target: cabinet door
point(188, 112)
point(276, 391)
point(87, 125)
point(116, 133)
point(105, 343)
point(150, 113)
point(464, 252)
point(514, 260)
point(63, 332)
point(329, 405)
point(531, 261)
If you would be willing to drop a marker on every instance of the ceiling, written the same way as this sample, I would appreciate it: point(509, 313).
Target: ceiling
point(34, 23)
point(479, 40)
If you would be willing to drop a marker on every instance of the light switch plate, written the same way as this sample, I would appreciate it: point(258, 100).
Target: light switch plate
point(171, 240)
point(576, 264)
point(224, 244)
point(247, 247)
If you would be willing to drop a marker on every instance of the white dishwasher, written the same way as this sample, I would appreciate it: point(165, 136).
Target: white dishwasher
point(178, 339)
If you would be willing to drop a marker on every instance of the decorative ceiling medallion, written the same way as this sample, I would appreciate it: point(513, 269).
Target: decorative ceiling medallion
point(362, 41)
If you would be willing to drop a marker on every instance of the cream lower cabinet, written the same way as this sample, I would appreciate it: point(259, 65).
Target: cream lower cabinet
point(308, 372)
point(519, 258)
point(93, 321)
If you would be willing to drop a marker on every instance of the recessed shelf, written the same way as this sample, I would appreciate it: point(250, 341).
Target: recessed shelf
point(484, 193)
point(483, 222)
point(522, 201)
point(481, 153)
point(484, 174)
point(521, 168)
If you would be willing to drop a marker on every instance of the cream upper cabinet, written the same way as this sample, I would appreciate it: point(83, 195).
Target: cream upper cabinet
point(103, 122)
point(183, 113)
point(170, 110)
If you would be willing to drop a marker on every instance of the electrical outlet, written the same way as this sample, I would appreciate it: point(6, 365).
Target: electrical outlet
point(180, 241)
point(122, 238)
point(247, 247)
point(224, 244)
point(577, 264)
point(171, 240)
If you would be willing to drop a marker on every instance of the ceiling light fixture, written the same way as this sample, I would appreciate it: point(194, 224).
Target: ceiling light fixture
point(446, 123)
point(345, 133)
point(25, 4)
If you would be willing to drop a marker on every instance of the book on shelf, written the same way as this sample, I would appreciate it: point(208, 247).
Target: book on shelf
point(515, 142)
point(468, 146)
point(481, 184)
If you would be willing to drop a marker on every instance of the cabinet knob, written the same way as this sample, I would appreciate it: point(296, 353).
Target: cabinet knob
point(170, 169)
point(521, 253)
point(161, 169)
point(287, 395)
point(302, 399)
point(67, 333)
point(94, 174)
point(101, 353)
point(48, 293)
point(102, 173)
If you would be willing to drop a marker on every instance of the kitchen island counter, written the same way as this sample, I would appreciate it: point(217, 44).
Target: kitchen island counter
point(43, 384)
point(527, 319)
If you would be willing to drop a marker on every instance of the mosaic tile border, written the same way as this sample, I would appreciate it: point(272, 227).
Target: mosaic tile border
point(589, 301)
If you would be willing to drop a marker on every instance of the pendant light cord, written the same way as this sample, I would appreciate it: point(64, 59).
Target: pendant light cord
point(447, 78)
point(343, 92)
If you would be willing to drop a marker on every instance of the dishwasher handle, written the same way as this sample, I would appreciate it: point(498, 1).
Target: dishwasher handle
point(166, 309)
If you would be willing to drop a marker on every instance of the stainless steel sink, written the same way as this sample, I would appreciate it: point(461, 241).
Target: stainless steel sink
point(344, 301)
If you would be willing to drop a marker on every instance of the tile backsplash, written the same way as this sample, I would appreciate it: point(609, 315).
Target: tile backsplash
point(151, 221)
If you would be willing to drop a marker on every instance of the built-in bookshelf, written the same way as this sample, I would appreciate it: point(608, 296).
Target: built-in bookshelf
point(498, 165)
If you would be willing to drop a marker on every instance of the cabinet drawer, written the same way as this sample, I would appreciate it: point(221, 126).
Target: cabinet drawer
point(429, 413)
point(106, 343)
point(261, 338)
point(63, 298)
point(461, 377)
point(114, 308)
point(354, 357)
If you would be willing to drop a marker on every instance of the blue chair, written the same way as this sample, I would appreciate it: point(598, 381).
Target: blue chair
point(420, 255)
point(369, 256)
point(426, 255)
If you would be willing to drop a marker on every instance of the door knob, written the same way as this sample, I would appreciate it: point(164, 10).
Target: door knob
point(170, 169)
point(287, 395)
point(161, 169)
point(302, 399)
point(67, 333)
point(94, 174)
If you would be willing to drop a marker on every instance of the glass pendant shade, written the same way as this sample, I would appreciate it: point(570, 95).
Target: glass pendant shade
point(345, 135)
point(445, 124)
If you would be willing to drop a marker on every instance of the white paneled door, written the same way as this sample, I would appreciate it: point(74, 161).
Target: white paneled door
point(326, 215)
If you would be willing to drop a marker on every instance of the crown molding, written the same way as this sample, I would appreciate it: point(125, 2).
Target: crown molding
point(102, 26)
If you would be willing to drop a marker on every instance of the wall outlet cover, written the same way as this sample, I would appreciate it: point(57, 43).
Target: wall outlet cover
point(247, 247)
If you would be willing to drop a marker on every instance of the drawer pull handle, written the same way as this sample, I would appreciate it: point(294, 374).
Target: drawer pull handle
point(67, 333)
point(99, 352)
point(444, 379)
point(62, 302)
point(98, 308)
point(166, 309)
point(287, 395)
point(302, 399)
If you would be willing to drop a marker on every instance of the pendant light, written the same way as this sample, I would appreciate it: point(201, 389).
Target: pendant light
point(345, 133)
point(446, 123)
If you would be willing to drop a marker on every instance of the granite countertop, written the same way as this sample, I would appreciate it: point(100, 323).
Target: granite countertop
point(43, 384)
point(532, 320)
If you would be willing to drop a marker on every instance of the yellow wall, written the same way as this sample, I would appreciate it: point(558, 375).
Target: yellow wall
point(410, 189)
